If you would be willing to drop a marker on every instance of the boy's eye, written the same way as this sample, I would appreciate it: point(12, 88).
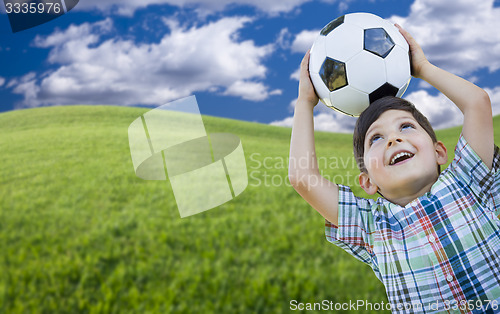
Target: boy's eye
point(374, 138)
point(407, 125)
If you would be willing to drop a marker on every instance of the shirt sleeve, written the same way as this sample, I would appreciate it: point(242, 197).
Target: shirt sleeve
point(355, 222)
point(484, 182)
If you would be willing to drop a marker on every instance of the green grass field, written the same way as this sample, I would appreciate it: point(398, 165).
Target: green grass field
point(80, 233)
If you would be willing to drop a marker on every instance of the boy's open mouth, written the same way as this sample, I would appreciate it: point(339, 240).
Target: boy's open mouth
point(400, 157)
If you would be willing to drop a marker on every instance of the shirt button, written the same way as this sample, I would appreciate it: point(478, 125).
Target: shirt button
point(431, 238)
point(449, 278)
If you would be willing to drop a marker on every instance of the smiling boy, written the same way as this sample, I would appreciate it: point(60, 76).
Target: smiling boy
point(398, 152)
point(433, 238)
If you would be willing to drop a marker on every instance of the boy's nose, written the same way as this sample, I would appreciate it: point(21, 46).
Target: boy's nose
point(393, 140)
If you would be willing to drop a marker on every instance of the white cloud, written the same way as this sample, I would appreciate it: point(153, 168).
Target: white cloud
point(284, 39)
point(334, 122)
point(304, 40)
point(2, 81)
point(73, 32)
point(300, 44)
point(296, 74)
point(440, 111)
point(287, 122)
point(118, 71)
point(457, 35)
point(495, 99)
point(128, 7)
point(250, 90)
point(325, 119)
point(291, 106)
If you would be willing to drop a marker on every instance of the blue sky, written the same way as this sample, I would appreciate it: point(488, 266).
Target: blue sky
point(240, 58)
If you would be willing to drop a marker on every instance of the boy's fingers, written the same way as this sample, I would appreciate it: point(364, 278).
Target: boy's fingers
point(405, 33)
point(304, 65)
point(401, 30)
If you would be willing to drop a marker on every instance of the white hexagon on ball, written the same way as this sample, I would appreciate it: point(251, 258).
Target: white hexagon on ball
point(352, 99)
point(397, 65)
point(351, 38)
point(363, 20)
point(363, 78)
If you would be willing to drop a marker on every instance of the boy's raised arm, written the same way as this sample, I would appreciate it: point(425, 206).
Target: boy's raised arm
point(472, 100)
point(303, 170)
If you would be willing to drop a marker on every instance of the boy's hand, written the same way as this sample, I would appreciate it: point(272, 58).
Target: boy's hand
point(307, 94)
point(417, 56)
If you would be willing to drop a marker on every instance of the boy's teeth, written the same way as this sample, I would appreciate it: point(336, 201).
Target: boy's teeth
point(393, 160)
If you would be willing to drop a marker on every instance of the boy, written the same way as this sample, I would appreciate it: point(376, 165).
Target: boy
point(432, 239)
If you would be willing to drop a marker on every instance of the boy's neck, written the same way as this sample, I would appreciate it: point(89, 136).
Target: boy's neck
point(403, 197)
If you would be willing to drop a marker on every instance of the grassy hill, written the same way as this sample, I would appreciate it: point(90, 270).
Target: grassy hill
point(80, 233)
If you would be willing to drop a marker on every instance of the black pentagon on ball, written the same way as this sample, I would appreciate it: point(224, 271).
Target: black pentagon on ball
point(384, 90)
point(333, 74)
point(377, 41)
point(332, 25)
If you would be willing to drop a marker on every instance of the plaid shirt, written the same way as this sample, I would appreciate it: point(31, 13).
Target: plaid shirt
point(441, 252)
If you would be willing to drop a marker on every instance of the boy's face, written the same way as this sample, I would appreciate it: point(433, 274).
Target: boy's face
point(400, 157)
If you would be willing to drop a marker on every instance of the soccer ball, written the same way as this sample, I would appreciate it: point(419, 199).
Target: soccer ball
point(357, 59)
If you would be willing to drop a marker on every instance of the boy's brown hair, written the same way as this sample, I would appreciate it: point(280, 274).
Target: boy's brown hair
point(373, 112)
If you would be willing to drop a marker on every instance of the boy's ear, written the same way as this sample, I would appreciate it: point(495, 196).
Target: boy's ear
point(441, 153)
point(366, 183)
